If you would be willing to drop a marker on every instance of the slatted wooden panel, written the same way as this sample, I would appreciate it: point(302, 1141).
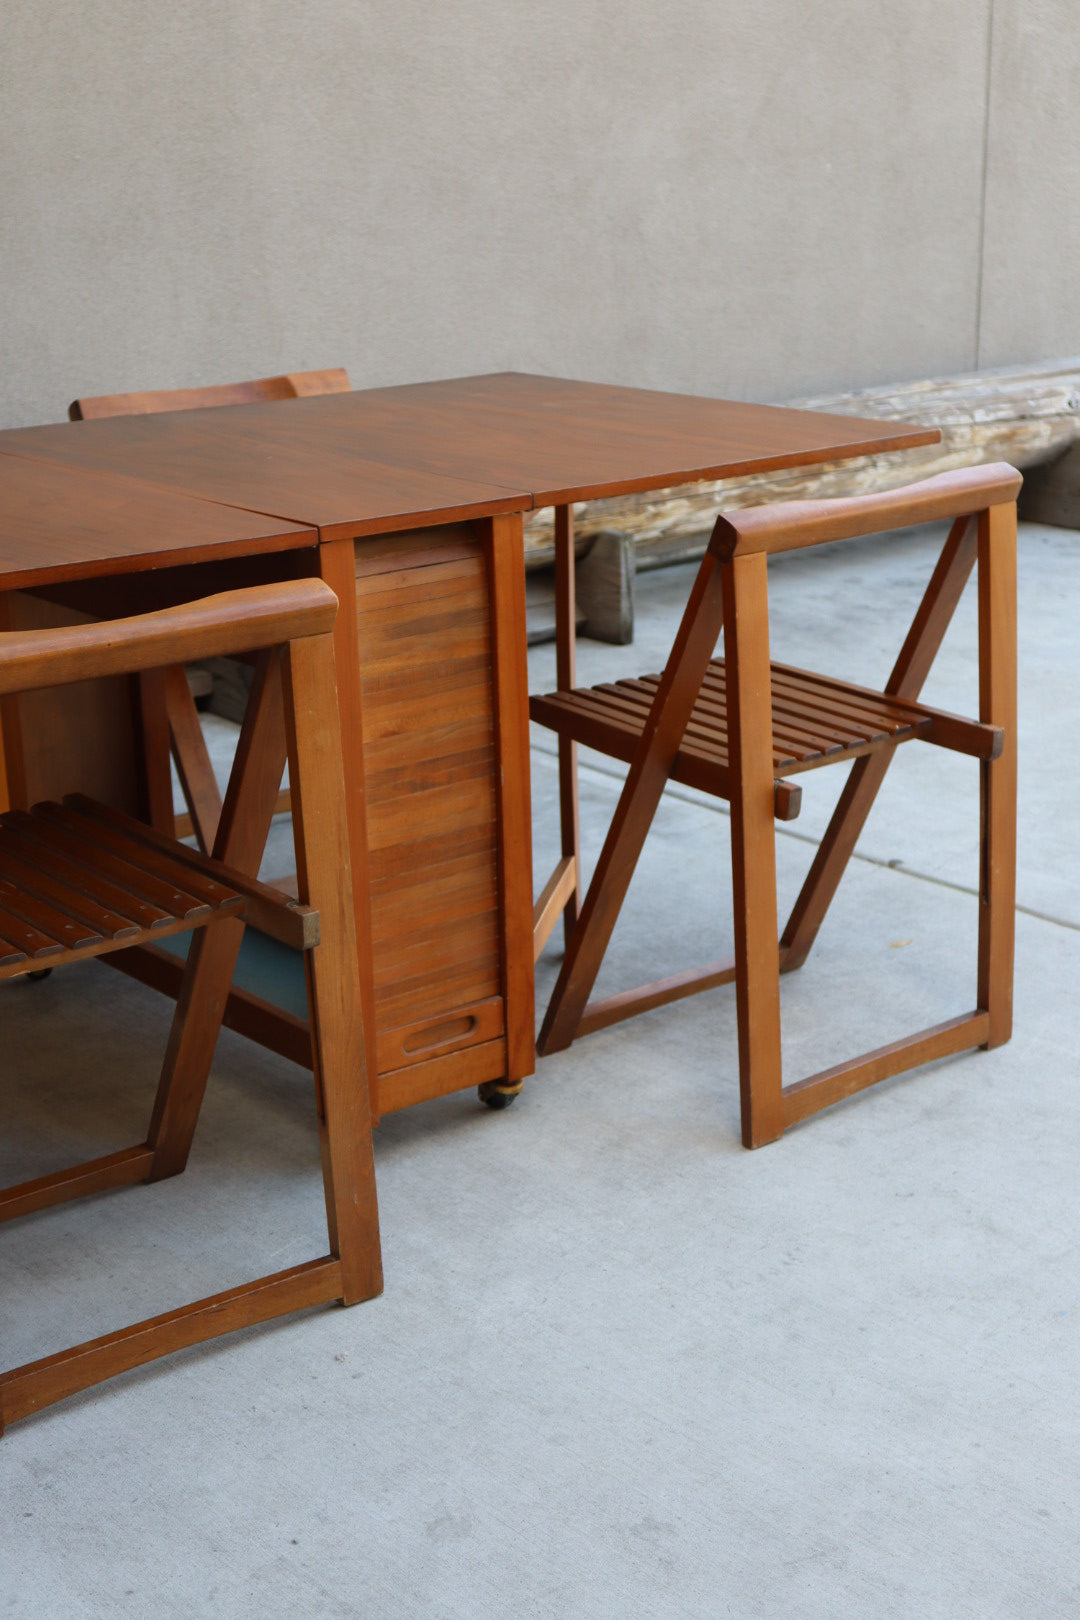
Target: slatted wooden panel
point(816, 721)
point(74, 884)
point(423, 619)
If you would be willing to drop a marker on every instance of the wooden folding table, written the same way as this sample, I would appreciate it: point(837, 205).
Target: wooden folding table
point(411, 499)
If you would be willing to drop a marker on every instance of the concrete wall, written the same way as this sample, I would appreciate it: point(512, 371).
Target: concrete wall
point(747, 197)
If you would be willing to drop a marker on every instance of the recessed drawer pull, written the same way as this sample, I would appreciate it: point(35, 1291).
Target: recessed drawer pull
point(450, 1029)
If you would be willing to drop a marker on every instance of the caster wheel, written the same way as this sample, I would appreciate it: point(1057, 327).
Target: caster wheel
point(497, 1093)
point(42, 973)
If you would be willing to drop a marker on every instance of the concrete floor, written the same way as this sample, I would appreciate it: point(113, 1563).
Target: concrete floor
point(621, 1366)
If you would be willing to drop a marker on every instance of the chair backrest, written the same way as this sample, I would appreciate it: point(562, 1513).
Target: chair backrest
point(790, 525)
point(292, 385)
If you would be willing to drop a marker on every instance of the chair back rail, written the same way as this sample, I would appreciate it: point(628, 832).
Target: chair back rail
point(789, 525)
point(290, 385)
point(233, 621)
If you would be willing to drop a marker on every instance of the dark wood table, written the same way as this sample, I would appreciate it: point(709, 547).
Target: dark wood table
point(411, 500)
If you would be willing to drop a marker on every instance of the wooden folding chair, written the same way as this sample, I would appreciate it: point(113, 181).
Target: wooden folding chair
point(739, 727)
point(170, 722)
point(78, 880)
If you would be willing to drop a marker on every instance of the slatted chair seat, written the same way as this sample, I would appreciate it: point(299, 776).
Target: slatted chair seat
point(739, 726)
point(815, 721)
point(79, 878)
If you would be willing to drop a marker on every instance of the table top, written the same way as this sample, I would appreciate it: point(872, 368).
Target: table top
point(74, 523)
point(385, 459)
point(574, 441)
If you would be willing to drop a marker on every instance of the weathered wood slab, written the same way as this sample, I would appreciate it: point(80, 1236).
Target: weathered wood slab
point(1028, 415)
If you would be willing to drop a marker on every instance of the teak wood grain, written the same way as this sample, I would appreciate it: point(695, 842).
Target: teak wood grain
point(60, 522)
point(387, 458)
point(565, 440)
point(279, 458)
point(432, 796)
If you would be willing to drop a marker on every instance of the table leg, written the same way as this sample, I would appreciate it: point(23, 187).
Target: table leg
point(337, 566)
point(506, 572)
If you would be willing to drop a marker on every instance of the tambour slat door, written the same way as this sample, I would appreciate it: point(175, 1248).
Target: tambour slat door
point(424, 629)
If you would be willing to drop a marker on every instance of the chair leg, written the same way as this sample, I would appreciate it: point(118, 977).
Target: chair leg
point(916, 657)
point(157, 775)
point(659, 743)
point(565, 676)
point(753, 848)
point(171, 731)
point(997, 705)
point(192, 757)
point(245, 822)
point(341, 1079)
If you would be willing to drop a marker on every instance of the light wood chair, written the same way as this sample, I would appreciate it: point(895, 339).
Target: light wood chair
point(79, 880)
point(740, 727)
point(170, 722)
